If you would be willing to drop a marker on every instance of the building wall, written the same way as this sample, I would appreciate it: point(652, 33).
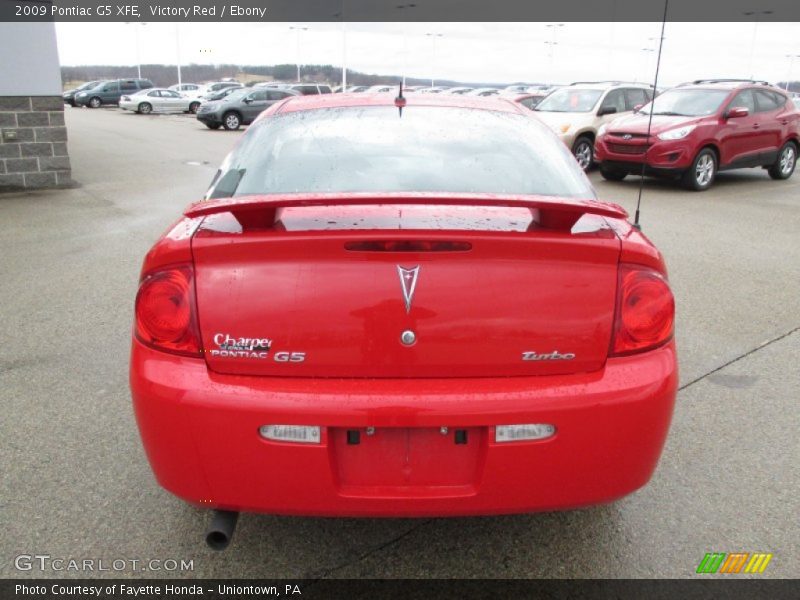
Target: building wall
point(33, 137)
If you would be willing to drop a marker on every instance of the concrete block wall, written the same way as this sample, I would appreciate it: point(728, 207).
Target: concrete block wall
point(33, 143)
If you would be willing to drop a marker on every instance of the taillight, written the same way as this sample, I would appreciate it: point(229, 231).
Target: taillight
point(645, 312)
point(166, 318)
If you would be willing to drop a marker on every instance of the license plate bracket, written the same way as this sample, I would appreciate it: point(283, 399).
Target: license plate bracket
point(407, 457)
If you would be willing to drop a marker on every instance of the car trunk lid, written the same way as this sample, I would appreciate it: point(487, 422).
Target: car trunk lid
point(333, 292)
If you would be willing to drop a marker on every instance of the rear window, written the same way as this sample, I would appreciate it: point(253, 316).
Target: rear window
point(306, 90)
point(768, 101)
point(374, 149)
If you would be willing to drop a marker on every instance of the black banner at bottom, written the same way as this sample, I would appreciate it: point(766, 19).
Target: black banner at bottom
point(406, 589)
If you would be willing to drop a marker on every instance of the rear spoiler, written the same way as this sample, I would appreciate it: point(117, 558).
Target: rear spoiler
point(261, 211)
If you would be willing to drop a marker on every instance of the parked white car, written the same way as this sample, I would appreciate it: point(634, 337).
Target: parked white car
point(381, 89)
point(190, 90)
point(158, 100)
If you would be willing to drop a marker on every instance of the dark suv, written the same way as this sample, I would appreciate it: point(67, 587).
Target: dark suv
point(310, 89)
point(109, 92)
point(240, 107)
point(701, 128)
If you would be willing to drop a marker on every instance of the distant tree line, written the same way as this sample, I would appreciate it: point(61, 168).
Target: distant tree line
point(166, 75)
point(160, 75)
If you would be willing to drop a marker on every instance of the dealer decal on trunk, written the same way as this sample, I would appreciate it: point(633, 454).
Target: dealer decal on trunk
point(247, 347)
point(242, 347)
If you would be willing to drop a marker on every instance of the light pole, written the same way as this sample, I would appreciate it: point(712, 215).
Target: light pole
point(757, 14)
point(791, 58)
point(178, 51)
point(138, 56)
point(553, 27)
point(646, 60)
point(298, 30)
point(405, 41)
point(655, 41)
point(433, 36)
point(405, 55)
point(344, 56)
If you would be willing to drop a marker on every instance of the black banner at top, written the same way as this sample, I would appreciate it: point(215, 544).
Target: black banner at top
point(397, 10)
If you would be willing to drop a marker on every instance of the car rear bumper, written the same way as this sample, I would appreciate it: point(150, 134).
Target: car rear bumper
point(666, 156)
point(200, 433)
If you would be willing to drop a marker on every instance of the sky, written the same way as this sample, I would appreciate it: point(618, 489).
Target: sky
point(469, 52)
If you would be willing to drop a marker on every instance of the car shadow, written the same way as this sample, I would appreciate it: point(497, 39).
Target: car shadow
point(723, 180)
point(550, 544)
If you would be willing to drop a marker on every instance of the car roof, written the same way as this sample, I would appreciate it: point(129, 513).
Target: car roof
point(300, 103)
point(607, 85)
point(729, 85)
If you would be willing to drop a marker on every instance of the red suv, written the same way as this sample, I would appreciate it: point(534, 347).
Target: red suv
point(701, 128)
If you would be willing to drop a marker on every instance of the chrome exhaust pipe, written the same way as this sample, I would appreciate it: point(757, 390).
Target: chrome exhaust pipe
point(220, 531)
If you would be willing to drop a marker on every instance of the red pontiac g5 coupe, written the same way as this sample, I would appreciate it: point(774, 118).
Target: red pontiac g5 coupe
point(401, 308)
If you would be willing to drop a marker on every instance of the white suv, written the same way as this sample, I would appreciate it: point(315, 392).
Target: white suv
point(575, 112)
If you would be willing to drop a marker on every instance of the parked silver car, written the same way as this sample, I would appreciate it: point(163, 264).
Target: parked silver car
point(157, 100)
point(190, 90)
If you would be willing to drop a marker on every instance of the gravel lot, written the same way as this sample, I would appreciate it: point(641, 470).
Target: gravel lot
point(75, 482)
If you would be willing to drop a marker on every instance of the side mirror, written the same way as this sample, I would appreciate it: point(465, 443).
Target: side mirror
point(606, 110)
point(637, 108)
point(737, 112)
point(247, 100)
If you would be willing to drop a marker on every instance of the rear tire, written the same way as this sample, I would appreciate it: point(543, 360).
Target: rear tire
point(95, 102)
point(612, 174)
point(193, 107)
point(700, 176)
point(785, 163)
point(231, 121)
point(144, 108)
point(583, 150)
point(213, 125)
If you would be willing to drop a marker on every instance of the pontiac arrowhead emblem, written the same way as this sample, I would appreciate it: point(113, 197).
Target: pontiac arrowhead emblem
point(408, 282)
point(627, 136)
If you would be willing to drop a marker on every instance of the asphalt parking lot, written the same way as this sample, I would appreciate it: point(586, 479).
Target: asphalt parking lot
point(76, 483)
